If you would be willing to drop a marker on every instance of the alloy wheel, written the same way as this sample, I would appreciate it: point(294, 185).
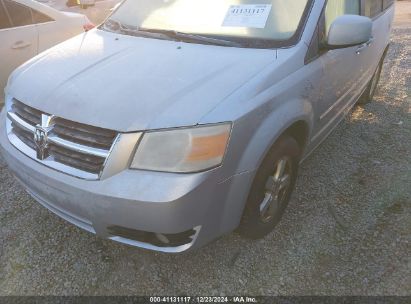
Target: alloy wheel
point(276, 189)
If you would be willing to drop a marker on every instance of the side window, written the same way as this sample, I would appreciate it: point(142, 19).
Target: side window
point(40, 17)
point(4, 19)
point(20, 15)
point(314, 49)
point(373, 8)
point(337, 8)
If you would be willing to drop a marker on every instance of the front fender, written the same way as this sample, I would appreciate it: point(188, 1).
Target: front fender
point(271, 128)
point(261, 112)
point(251, 153)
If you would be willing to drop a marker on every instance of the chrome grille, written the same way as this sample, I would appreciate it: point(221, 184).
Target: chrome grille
point(77, 149)
point(83, 134)
point(29, 114)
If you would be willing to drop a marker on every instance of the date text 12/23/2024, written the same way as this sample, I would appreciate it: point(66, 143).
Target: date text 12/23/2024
point(203, 299)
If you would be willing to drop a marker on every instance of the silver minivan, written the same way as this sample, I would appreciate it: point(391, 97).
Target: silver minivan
point(178, 121)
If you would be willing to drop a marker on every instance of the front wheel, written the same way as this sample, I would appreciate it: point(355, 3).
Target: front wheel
point(271, 189)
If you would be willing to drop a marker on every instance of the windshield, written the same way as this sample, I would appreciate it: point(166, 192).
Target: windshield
point(249, 22)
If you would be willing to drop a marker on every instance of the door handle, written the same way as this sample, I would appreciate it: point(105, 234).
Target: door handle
point(20, 45)
point(361, 48)
point(371, 41)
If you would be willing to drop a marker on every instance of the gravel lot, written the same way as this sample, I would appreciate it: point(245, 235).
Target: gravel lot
point(346, 231)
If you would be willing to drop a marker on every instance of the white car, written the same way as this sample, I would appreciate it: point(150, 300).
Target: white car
point(28, 27)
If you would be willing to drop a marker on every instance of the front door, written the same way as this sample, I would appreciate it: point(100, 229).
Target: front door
point(344, 73)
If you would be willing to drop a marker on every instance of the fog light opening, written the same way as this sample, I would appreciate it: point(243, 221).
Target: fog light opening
point(155, 238)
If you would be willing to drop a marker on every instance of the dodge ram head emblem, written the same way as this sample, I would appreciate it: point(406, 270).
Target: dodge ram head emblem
point(41, 136)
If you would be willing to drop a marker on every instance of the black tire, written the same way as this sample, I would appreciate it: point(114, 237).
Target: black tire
point(372, 86)
point(255, 223)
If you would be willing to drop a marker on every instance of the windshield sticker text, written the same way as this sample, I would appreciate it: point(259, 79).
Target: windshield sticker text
point(247, 15)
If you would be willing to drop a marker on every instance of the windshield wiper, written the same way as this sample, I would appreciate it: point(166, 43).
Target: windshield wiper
point(180, 36)
point(118, 27)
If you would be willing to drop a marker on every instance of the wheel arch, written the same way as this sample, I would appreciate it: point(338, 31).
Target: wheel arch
point(299, 130)
point(298, 127)
point(255, 135)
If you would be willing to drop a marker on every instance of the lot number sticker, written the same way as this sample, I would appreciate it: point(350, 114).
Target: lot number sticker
point(247, 15)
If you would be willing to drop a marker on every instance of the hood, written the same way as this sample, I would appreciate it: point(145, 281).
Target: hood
point(129, 83)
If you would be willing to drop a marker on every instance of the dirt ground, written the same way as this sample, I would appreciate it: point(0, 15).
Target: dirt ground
point(346, 232)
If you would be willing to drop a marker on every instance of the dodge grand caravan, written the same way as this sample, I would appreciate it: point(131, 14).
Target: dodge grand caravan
point(175, 122)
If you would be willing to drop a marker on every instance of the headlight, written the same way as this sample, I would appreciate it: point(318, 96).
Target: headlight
point(182, 150)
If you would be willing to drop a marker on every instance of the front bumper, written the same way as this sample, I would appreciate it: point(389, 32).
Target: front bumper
point(154, 202)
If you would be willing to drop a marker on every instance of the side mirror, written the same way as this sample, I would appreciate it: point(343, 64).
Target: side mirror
point(349, 30)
